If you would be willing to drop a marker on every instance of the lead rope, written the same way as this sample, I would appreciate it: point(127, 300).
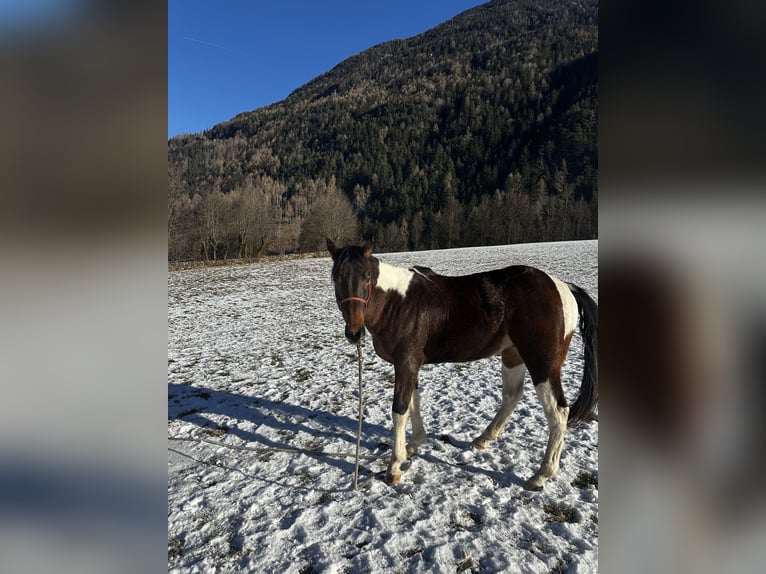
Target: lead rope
point(359, 426)
point(357, 485)
point(357, 456)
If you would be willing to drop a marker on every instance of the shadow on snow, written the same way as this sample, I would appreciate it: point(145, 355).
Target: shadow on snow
point(194, 404)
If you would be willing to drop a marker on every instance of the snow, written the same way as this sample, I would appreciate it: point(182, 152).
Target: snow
point(257, 360)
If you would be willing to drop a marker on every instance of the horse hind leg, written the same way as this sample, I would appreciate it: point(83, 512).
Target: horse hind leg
point(551, 396)
point(513, 388)
point(418, 437)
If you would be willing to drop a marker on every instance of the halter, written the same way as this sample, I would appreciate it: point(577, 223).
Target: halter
point(365, 301)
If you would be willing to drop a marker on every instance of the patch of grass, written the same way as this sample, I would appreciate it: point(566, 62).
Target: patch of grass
point(410, 552)
point(217, 431)
point(287, 436)
point(175, 548)
point(561, 513)
point(466, 563)
point(586, 479)
point(312, 444)
point(302, 375)
point(466, 521)
point(562, 565)
point(306, 478)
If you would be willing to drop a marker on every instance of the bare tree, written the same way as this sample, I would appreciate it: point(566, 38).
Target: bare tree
point(211, 224)
point(331, 216)
point(518, 217)
point(393, 237)
point(245, 208)
point(269, 223)
point(448, 224)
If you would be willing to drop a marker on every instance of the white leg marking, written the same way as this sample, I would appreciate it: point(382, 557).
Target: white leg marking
point(513, 388)
point(557, 425)
point(392, 278)
point(418, 432)
point(399, 454)
point(569, 307)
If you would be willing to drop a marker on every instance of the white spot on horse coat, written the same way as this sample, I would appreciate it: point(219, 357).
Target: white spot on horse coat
point(392, 278)
point(557, 424)
point(399, 454)
point(569, 307)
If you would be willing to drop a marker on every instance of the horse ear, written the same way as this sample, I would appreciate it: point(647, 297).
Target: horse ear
point(331, 247)
point(367, 249)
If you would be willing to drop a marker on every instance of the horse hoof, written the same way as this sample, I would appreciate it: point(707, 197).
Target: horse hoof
point(533, 485)
point(478, 444)
point(393, 479)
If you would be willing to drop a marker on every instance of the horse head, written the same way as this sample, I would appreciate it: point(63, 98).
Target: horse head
point(352, 278)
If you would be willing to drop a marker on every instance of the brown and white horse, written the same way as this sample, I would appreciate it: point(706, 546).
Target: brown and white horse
point(416, 316)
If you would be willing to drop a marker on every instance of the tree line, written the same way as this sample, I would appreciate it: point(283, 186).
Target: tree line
point(260, 218)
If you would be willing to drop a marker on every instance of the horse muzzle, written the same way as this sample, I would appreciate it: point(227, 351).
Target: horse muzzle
point(355, 336)
point(353, 316)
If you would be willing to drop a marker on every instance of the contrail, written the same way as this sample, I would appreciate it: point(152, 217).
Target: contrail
point(211, 44)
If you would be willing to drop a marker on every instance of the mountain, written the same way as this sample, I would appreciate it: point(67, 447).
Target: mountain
point(480, 130)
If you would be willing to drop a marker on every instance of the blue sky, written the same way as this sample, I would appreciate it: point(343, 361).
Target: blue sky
point(231, 56)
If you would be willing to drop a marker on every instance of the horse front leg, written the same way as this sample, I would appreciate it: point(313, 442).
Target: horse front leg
point(405, 384)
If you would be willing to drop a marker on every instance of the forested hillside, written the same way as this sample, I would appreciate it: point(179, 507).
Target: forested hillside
point(480, 131)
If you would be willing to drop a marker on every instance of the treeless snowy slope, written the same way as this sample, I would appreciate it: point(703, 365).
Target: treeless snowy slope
point(257, 360)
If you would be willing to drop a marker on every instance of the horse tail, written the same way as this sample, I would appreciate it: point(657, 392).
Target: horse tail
point(583, 408)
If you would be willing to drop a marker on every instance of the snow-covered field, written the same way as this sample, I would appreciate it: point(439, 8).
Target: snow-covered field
point(257, 360)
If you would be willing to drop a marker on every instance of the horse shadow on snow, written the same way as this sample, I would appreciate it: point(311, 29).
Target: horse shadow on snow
point(195, 404)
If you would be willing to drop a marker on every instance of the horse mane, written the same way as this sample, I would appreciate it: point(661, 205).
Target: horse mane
point(424, 271)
